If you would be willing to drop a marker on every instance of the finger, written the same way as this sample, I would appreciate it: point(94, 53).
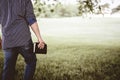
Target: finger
point(41, 45)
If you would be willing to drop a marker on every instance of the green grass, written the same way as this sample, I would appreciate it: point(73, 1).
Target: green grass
point(77, 50)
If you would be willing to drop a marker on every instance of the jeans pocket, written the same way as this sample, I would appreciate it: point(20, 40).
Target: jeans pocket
point(28, 48)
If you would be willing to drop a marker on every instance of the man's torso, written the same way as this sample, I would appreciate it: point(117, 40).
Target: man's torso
point(15, 30)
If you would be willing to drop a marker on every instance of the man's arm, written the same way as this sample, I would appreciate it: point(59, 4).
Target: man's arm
point(36, 30)
point(31, 19)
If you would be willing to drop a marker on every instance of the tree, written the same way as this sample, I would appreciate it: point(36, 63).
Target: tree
point(117, 9)
point(88, 6)
point(43, 9)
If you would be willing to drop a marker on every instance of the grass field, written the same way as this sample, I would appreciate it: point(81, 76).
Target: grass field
point(78, 49)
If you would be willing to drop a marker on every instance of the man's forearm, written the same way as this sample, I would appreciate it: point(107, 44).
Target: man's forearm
point(36, 30)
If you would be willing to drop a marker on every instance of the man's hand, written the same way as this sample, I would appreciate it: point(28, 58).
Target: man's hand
point(41, 44)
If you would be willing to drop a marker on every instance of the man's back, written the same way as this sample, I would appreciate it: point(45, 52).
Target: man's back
point(15, 16)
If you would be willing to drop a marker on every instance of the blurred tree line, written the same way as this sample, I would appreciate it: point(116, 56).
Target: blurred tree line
point(116, 9)
point(54, 8)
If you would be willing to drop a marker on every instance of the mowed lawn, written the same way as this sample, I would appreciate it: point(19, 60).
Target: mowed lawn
point(78, 49)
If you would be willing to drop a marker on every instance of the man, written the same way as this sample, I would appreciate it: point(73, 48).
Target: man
point(15, 17)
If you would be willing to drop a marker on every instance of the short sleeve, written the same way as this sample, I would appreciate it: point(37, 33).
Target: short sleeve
point(29, 13)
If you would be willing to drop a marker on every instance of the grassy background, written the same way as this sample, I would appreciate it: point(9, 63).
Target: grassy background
point(78, 49)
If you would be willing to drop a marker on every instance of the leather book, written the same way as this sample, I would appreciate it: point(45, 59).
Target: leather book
point(37, 50)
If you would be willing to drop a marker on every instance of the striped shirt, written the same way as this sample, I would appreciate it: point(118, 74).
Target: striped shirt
point(15, 17)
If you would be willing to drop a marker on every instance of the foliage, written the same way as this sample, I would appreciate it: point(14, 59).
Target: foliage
point(116, 9)
point(57, 9)
point(88, 6)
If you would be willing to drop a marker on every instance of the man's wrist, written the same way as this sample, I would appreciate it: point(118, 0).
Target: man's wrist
point(40, 40)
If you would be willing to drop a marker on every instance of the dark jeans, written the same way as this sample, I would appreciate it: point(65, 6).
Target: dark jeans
point(10, 57)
